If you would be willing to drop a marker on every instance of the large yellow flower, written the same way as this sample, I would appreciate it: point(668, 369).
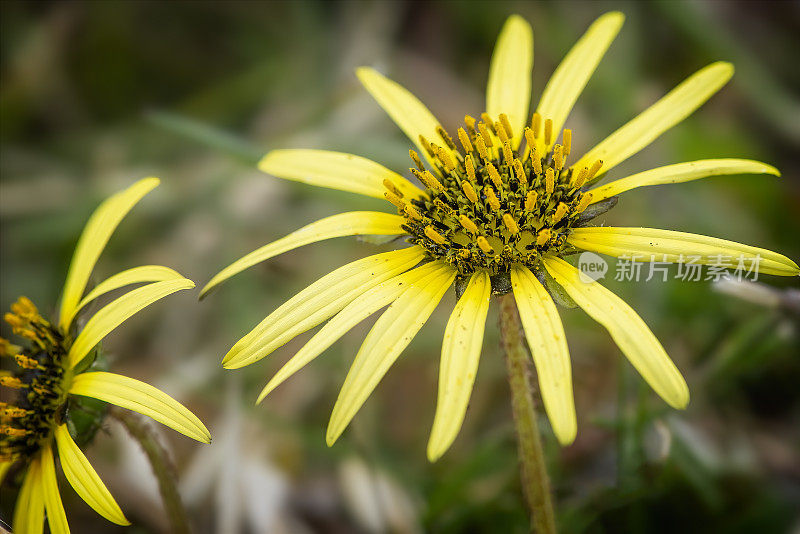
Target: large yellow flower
point(54, 368)
point(497, 211)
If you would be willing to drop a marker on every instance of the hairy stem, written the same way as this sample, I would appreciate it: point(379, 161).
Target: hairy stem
point(164, 471)
point(535, 482)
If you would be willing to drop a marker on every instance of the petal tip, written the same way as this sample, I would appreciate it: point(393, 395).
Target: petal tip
point(263, 163)
point(330, 438)
point(567, 437)
point(435, 451)
point(616, 18)
point(769, 169)
point(263, 395)
point(725, 68)
point(364, 72)
point(151, 181)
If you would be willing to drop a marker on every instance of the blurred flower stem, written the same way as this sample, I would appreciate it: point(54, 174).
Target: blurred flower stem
point(535, 481)
point(162, 468)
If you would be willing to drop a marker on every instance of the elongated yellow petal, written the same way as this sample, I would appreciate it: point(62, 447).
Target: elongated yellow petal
point(404, 108)
point(335, 170)
point(392, 332)
point(140, 397)
point(4, 467)
point(56, 516)
point(118, 311)
point(461, 351)
point(29, 509)
point(318, 302)
point(548, 345)
point(359, 309)
point(658, 118)
point(651, 244)
point(574, 71)
point(93, 240)
point(682, 172)
point(509, 87)
point(343, 224)
point(84, 480)
point(629, 331)
point(137, 275)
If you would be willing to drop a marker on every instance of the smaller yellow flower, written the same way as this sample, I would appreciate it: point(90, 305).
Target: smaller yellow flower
point(50, 373)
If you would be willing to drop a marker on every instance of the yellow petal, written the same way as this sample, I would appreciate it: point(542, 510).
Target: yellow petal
point(682, 172)
point(392, 332)
point(628, 330)
point(461, 351)
point(318, 302)
point(343, 224)
point(404, 108)
point(140, 397)
point(359, 309)
point(658, 118)
point(574, 71)
point(93, 240)
point(650, 244)
point(118, 311)
point(335, 170)
point(29, 509)
point(84, 480)
point(509, 87)
point(137, 275)
point(4, 467)
point(548, 345)
point(56, 517)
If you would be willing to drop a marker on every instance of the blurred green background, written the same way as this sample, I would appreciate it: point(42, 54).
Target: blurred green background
point(95, 95)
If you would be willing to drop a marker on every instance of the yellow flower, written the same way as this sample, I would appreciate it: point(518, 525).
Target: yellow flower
point(54, 368)
point(499, 207)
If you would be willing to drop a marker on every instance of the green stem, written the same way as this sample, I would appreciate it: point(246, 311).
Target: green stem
point(139, 430)
point(533, 470)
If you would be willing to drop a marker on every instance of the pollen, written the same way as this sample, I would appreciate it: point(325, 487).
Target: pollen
point(530, 201)
point(485, 135)
point(510, 223)
point(489, 205)
point(12, 382)
point(415, 158)
point(480, 144)
point(550, 181)
point(470, 168)
point(469, 191)
point(594, 168)
point(581, 178)
point(491, 198)
point(394, 199)
point(434, 236)
point(388, 184)
point(467, 223)
point(584, 202)
point(543, 236)
point(466, 143)
point(484, 245)
point(536, 124)
point(506, 125)
point(412, 212)
point(561, 210)
point(494, 176)
point(548, 131)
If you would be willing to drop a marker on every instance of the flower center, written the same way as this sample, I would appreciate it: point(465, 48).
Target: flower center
point(39, 381)
point(490, 206)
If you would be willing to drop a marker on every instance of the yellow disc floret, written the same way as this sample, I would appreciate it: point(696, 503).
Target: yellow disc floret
point(489, 205)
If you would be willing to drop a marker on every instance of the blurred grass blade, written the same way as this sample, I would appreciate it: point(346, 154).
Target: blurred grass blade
point(206, 134)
